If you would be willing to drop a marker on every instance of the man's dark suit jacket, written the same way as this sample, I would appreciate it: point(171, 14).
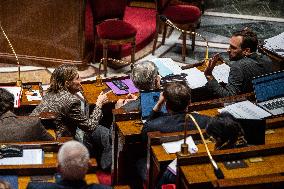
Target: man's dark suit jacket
point(167, 123)
point(22, 128)
point(66, 185)
point(241, 74)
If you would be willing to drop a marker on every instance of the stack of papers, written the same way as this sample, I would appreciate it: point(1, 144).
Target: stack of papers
point(245, 110)
point(173, 147)
point(275, 44)
point(33, 95)
point(221, 73)
point(17, 92)
point(167, 66)
point(195, 78)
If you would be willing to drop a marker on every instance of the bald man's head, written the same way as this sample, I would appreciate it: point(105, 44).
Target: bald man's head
point(73, 159)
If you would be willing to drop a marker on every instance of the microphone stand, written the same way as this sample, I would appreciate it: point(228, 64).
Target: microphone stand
point(19, 81)
point(99, 81)
point(168, 22)
point(217, 171)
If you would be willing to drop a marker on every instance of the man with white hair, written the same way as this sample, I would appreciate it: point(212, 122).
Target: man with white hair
point(73, 164)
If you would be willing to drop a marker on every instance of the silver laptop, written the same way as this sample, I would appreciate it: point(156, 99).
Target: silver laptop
point(269, 92)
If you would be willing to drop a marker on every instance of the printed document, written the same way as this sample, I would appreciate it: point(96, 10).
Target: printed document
point(30, 157)
point(246, 110)
point(221, 73)
point(195, 78)
point(173, 147)
point(167, 66)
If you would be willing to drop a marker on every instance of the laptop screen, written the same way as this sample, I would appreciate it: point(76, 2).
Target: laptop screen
point(269, 86)
point(148, 100)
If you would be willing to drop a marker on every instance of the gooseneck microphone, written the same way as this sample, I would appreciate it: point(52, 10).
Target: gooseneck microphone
point(19, 81)
point(218, 172)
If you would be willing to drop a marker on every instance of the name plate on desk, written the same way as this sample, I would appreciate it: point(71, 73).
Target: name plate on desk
point(30, 157)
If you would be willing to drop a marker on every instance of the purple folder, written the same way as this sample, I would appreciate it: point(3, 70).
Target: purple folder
point(128, 82)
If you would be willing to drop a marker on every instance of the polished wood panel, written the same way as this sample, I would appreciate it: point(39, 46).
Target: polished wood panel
point(26, 107)
point(158, 159)
point(47, 32)
point(46, 170)
point(127, 135)
point(200, 173)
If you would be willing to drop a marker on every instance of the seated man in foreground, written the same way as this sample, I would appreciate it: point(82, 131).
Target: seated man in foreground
point(245, 64)
point(176, 98)
point(73, 163)
point(227, 134)
point(18, 128)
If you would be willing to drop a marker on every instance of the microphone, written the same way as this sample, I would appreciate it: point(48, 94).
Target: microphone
point(19, 81)
point(164, 19)
point(217, 171)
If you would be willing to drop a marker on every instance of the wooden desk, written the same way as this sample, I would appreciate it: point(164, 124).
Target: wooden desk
point(126, 146)
point(127, 139)
point(193, 173)
point(158, 159)
point(23, 181)
point(126, 134)
point(26, 107)
point(91, 92)
point(43, 171)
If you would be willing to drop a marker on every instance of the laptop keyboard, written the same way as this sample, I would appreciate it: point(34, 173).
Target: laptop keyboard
point(279, 103)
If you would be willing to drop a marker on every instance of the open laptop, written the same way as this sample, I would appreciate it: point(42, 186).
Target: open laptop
point(269, 92)
point(148, 100)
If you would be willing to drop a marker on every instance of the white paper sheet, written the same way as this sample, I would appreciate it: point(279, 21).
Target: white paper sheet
point(173, 147)
point(195, 78)
point(30, 157)
point(35, 96)
point(275, 44)
point(167, 66)
point(221, 73)
point(17, 92)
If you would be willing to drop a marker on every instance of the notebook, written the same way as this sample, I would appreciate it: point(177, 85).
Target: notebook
point(148, 100)
point(269, 92)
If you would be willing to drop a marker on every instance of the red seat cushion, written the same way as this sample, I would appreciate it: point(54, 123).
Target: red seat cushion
point(115, 29)
point(168, 186)
point(182, 14)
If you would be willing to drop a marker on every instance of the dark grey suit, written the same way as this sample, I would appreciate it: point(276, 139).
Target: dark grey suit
point(241, 75)
point(22, 128)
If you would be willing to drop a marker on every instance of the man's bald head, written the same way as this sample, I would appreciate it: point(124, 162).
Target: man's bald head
point(73, 159)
